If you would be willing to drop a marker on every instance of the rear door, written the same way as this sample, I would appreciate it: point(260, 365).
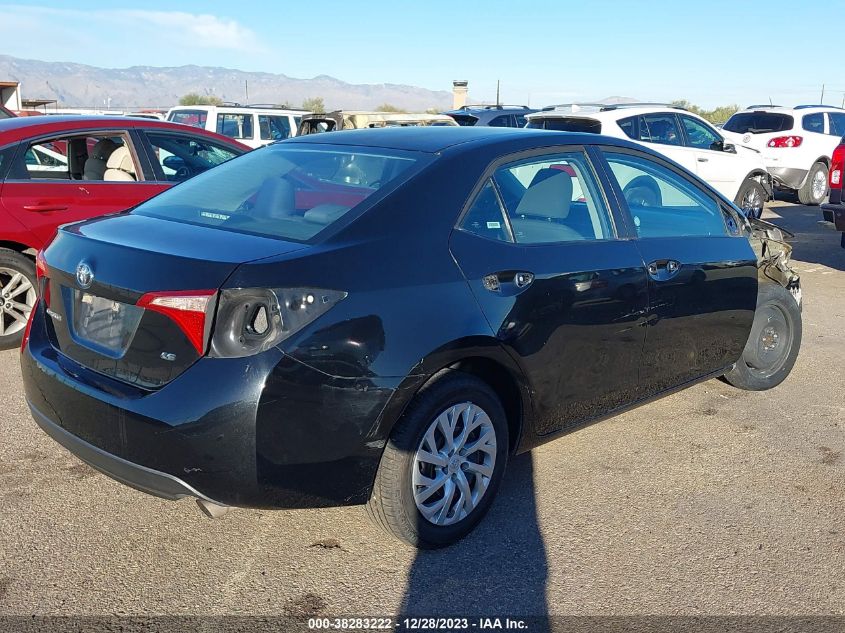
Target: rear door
point(702, 272)
point(566, 297)
point(47, 186)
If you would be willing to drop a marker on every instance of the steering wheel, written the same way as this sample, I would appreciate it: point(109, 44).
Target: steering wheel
point(183, 173)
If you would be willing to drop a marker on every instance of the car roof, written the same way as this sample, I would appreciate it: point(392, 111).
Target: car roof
point(802, 109)
point(238, 108)
point(489, 108)
point(457, 138)
point(603, 112)
point(19, 128)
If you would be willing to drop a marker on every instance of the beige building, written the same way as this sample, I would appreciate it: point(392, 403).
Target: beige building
point(10, 95)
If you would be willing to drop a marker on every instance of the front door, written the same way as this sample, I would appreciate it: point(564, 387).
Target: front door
point(564, 296)
point(713, 165)
point(702, 273)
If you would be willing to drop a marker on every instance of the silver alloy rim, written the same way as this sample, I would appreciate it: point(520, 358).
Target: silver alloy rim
point(752, 201)
point(454, 463)
point(17, 296)
point(819, 185)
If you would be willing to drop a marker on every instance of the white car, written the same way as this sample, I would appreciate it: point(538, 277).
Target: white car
point(736, 172)
point(251, 125)
point(796, 144)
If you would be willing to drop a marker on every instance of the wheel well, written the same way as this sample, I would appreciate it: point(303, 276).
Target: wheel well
point(823, 159)
point(503, 382)
point(18, 248)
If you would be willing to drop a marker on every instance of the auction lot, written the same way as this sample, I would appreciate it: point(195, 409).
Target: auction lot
point(711, 501)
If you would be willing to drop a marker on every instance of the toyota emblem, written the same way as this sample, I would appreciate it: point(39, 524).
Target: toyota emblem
point(84, 275)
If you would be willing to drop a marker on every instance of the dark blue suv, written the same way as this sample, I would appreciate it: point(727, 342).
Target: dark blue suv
point(491, 115)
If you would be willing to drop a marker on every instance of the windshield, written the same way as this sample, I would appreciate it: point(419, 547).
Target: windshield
point(283, 191)
point(758, 122)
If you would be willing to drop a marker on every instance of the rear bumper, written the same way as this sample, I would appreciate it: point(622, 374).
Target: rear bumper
point(835, 213)
point(788, 177)
point(147, 480)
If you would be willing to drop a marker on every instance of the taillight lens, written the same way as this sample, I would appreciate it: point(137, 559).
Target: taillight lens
point(252, 320)
point(837, 164)
point(189, 309)
point(42, 286)
point(786, 141)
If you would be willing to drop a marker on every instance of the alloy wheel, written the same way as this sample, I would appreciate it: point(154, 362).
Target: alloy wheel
point(17, 297)
point(454, 463)
point(819, 184)
point(752, 202)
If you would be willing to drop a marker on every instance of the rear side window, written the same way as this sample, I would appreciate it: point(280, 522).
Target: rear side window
point(813, 122)
point(273, 128)
point(629, 126)
point(194, 118)
point(759, 123)
point(663, 203)
point(282, 191)
point(566, 124)
point(235, 125)
point(486, 217)
point(553, 199)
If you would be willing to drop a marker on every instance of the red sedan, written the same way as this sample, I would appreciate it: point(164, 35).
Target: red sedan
point(55, 170)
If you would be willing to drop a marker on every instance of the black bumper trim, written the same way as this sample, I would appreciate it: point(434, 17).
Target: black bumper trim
point(141, 478)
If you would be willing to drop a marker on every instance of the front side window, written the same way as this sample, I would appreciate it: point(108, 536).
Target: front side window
point(660, 128)
point(282, 191)
point(501, 121)
point(235, 125)
point(662, 202)
point(700, 135)
point(553, 199)
point(813, 122)
point(182, 157)
point(194, 118)
point(273, 127)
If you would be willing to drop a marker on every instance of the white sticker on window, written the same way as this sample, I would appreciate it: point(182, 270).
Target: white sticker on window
point(494, 225)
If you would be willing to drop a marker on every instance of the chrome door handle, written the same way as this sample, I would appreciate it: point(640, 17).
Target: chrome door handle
point(701, 159)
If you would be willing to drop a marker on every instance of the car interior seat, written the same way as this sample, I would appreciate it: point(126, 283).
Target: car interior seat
point(542, 211)
point(97, 161)
point(120, 166)
point(276, 198)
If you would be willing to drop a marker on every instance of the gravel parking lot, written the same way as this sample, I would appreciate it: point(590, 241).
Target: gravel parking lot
point(711, 501)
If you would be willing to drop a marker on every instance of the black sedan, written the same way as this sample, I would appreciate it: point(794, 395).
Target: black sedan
point(382, 317)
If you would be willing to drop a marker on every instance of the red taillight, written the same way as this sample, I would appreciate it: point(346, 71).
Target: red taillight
point(42, 286)
point(837, 164)
point(786, 141)
point(28, 327)
point(40, 265)
point(189, 309)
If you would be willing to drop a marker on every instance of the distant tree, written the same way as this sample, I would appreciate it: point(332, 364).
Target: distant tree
point(433, 111)
point(716, 115)
point(388, 107)
point(284, 106)
point(315, 105)
point(192, 98)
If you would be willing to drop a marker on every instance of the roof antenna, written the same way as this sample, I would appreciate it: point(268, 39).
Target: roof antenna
point(770, 102)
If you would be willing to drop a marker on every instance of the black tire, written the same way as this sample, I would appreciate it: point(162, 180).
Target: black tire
point(805, 193)
point(13, 262)
point(751, 190)
point(642, 191)
point(762, 366)
point(392, 506)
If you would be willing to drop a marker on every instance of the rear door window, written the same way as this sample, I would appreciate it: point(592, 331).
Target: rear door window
point(663, 203)
point(503, 120)
point(89, 158)
point(237, 126)
point(660, 128)
point(274, 127)
point(813, 122)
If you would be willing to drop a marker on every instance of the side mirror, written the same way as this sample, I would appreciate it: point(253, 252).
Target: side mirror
point(173, 162)
point(729, 147)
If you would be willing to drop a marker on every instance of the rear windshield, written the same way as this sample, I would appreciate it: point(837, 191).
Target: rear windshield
point(465, 120)
point(758, 122)
point(565, 124)
point(282, 190)
point(195, 118)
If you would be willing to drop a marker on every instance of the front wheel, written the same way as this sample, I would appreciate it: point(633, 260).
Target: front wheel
point(750, 198)
point(443, 463)
point(17, 296)
point(773, 344)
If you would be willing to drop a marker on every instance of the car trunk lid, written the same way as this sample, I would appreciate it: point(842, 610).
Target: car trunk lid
point(133, 297)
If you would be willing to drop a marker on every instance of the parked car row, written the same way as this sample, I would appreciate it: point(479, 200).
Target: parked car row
point(382, 316)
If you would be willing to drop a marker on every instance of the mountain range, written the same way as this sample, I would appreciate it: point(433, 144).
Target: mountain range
point(79, 85)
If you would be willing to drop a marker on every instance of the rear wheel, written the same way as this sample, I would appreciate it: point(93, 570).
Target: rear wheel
point(751, 198)
point(443, 463)
point(17, 296)
point(814, 189)
point(773, 344)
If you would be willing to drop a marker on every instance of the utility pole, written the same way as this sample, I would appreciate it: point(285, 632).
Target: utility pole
point(822, 99)
point(246, 89)
point(498, 81)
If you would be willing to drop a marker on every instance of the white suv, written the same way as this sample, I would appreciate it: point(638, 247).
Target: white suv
point(796, 144)
point(738, 173)
point(251, 125)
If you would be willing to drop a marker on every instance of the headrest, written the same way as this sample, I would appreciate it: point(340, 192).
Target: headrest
point(103, 149)
point(121, 159)
point(549, 195)
point(325, 213)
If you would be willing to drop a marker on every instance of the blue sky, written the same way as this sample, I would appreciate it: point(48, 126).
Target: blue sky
point(544, 51)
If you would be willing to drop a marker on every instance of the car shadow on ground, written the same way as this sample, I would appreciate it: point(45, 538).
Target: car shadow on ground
point(815, 241)
point(499, 570)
